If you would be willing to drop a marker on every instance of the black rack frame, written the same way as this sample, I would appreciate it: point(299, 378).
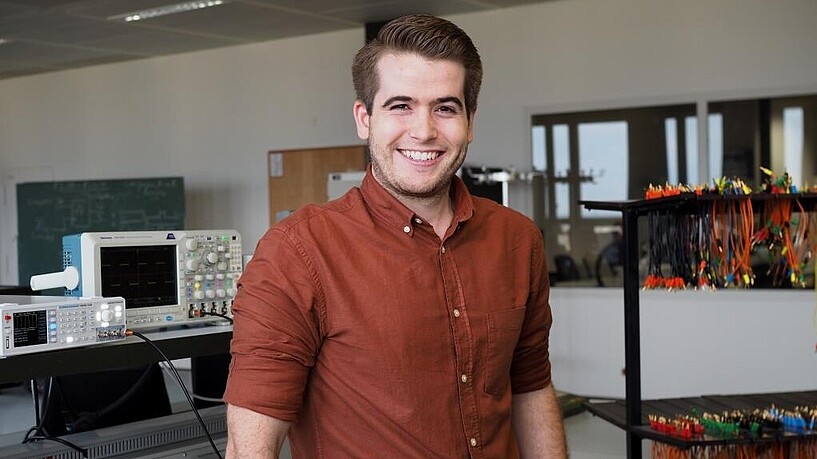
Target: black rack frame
point(631, 210)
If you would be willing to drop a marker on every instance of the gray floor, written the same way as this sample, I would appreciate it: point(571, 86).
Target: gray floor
point(588, 437)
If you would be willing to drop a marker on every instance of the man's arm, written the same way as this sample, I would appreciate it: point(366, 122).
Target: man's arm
point(537, 423)
point(253, 435)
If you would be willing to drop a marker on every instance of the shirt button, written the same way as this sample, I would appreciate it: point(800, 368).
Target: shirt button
point(406, 229)
point(442, 249)
point(464, 378)
point(473, 441)
point(418, 221)
point(456, 313)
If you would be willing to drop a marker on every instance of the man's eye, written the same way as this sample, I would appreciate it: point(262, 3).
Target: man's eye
point(399, 107)
point(447, 109)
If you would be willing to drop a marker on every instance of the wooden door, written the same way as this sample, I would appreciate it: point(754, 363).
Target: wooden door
point(298, 177)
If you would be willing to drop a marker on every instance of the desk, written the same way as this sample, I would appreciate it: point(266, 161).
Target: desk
point(131, 352)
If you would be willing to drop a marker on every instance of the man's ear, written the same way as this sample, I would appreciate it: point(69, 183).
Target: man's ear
point(471, 126)
point(361, 120)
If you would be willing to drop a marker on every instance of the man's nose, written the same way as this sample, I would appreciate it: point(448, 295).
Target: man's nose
point(423, 126)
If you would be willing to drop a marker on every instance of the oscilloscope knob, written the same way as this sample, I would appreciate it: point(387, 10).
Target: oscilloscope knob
point(192, 264)
point(212, 257)
point(106, 315)
point(191, 244)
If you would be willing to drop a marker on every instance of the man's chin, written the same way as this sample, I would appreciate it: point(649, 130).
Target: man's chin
point(424, 192)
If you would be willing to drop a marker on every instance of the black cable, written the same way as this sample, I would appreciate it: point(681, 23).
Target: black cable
point(205, 313)
point(183, 387)
point(124, 397)
point(65, 442)
point(39, 423)
point(35, 395)
point(38, 432)
point(87, 420)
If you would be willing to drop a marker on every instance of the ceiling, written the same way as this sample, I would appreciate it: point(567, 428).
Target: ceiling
point(38, 36)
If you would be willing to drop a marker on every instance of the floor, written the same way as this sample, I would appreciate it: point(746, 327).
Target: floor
point(588, 436)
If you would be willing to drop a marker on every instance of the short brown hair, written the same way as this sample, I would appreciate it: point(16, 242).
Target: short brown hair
point(427, 36)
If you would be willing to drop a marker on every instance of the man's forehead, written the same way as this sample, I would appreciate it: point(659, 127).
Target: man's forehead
point(396, 87)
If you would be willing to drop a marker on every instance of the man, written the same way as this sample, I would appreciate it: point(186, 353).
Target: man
point(407, 318)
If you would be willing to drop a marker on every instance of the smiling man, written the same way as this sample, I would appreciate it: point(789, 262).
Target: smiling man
point(407, 318)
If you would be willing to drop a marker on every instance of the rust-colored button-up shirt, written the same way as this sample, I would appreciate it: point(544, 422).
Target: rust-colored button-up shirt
point(377, 339)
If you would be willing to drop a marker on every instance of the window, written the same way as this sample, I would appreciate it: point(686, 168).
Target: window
point(617, 154)
point(793, 143)
point(603, 155)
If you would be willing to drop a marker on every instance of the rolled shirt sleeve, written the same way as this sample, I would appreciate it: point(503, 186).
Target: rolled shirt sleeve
point(277, 329)
point(530, 368)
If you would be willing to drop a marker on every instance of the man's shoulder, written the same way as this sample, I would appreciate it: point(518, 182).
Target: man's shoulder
point(492, 213)
point(312, 216)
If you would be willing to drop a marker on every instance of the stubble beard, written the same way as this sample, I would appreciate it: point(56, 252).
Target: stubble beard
point(389, 180)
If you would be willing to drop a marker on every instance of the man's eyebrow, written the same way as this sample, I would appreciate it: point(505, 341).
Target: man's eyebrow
point(451, 99)
point(394, 99)
point(442, 100)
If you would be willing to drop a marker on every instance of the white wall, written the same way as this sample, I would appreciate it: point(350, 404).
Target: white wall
point(692, 342)
point(211, 116)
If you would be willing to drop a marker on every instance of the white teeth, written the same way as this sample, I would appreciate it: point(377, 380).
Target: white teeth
point(420, 155)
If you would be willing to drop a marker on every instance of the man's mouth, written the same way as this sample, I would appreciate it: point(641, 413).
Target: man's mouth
point(416, 155)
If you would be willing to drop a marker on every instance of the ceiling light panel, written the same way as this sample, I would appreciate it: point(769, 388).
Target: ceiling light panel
point(176, 8)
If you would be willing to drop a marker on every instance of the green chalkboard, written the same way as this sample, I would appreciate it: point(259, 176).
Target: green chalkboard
point(46, 211)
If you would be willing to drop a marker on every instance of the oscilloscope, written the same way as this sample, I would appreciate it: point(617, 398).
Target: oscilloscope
point(166, 277)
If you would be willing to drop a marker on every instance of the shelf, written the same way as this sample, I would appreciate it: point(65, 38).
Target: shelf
point(615, 413)
point(131, 352)
point(688, 200)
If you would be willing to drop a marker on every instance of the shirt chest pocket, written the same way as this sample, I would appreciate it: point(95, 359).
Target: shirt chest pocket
point(503, 334)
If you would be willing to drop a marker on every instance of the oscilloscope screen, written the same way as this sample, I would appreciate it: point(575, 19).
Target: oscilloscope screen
point(145, 276)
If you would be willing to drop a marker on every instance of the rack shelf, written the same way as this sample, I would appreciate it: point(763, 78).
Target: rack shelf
point(628, 415)
point(130, 352)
